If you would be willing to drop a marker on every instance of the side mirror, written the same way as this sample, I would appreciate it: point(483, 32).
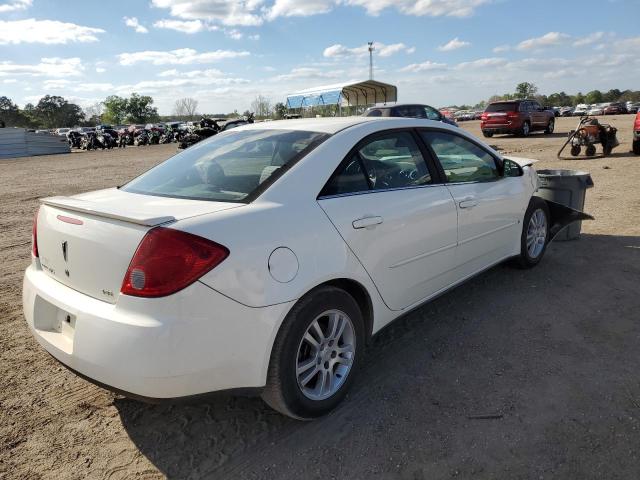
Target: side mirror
point(511, 169)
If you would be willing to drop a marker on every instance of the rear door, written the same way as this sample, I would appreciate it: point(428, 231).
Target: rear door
point(490, 207)
point(387, 204)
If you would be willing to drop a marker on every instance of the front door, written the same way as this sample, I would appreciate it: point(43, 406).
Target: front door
point(399, 223)
point(490, 207)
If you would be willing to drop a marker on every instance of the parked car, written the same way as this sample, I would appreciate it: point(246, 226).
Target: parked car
point(409, 110)
point(581, 110)
point(636, 135)
point(555, 110)
point(615, 108)
point(464, 115)
point(62, 132)
point(633, 107)
point(566, 111)
point(162, 289)
point(519, 117)
point(597, 109)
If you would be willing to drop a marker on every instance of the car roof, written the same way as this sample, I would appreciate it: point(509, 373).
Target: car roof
point(324, 125)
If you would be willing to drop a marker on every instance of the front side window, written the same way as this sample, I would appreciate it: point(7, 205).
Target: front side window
point(228, 167)
point(462, 160)
point(391, 160)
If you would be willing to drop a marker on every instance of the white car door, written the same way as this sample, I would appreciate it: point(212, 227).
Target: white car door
point(490, 206)
point(401, 224)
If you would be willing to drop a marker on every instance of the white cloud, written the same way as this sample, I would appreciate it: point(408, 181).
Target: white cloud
point(182, 56)
point(501, 48)
point(236, 13)
point(547, 40)
point(15, 5)
point(135, 24)
point(490, 62)
point(45, 31)
point(209, 73)
point(430, 8)
point(454, 44)
point(48, 67)
point(589, 39)
point(631, 44)
point(309, 73)
point(423, 67)
point(299, 8)
point(382, 50)
point(184, 26)
point(9, 80)
point(234, 34)
point(100, 69)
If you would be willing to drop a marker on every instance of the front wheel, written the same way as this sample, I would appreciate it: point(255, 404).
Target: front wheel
point(487, 133)
point(525, 130)
point(550, 127)
point(535, 233)
point(315, 355)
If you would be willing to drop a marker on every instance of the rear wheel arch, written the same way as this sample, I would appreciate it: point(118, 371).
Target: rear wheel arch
point(360, 295)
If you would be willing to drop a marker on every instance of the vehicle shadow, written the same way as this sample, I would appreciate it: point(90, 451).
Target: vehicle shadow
point(524, 349)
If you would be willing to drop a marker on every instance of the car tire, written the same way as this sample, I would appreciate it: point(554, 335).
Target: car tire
point(636, 147)
point(550, 127)
point(297, 370)
point(526, 129)
point(535, 234)
point(487, 134)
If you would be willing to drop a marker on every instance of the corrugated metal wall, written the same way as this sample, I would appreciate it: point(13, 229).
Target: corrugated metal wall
point(17, 142)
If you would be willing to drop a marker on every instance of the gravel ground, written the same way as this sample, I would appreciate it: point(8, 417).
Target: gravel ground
point(551, 355)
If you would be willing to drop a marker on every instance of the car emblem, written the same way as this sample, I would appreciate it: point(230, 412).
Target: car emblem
point(64, 250)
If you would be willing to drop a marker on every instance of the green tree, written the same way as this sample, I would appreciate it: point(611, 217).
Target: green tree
point(139, 109)
point(11, 115)
point(54, 111)
point(115, 109)
point(280, 110)
point(594, 96)
point(578, 98)
point(526, 90)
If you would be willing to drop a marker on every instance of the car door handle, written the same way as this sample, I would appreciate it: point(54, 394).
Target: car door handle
point(366, 222)
point(468, 203)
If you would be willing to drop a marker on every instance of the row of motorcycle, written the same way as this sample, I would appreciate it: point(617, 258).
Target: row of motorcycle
point(106, 137)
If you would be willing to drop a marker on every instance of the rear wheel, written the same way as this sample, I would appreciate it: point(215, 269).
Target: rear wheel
point(315, 355)
point(535, 233)
point(636, 147)
point(487, 133)
point(550, 127)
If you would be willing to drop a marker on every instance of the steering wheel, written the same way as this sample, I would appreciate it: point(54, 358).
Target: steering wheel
point(355, 168)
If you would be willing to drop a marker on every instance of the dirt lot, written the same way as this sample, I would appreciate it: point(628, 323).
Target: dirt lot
point(553, 352)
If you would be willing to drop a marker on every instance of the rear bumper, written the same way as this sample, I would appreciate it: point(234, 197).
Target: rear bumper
point(500, 128)
point(191, 343)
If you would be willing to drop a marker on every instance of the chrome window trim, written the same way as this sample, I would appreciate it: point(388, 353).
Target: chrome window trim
point(364, 192)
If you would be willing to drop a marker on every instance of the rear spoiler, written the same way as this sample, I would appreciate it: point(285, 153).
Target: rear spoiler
point(93, 208)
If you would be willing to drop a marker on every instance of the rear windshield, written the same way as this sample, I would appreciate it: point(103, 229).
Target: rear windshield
point(502, 107)
point(227, 167)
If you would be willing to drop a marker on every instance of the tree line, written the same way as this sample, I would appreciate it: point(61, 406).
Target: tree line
point(559, 99)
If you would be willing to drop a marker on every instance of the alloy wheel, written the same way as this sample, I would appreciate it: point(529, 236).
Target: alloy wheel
point(325, 355)
point(536, 233)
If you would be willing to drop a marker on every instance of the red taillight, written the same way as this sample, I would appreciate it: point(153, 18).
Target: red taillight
point(34, 236)
point(169, 260)
point(484, 116)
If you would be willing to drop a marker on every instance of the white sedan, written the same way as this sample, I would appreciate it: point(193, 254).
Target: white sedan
point(265, 257)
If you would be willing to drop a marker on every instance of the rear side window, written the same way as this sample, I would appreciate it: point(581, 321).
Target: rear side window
point(228, 167)
point(412, 111)
point(462, 160)
point(502, 107)
point(391, 160)
point(376, 112)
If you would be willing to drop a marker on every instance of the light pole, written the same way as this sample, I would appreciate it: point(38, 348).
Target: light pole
point(371, 48)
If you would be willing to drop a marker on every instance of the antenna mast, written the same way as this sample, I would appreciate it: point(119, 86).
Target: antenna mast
point(371, 48)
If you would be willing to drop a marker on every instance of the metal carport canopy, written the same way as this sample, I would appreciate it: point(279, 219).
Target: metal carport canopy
point(364, 93)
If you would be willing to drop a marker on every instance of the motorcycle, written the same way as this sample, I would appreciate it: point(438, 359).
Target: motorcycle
point(105, 139)
point(141, 139)
point(75, 139)
point(154, 137)
point(208, 128)
point(90, 141)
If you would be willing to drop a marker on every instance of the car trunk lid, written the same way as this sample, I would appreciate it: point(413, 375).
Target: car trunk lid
point(87, 241)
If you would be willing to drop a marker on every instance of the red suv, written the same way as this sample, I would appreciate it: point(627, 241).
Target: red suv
point(519, 117)
point(636, 135)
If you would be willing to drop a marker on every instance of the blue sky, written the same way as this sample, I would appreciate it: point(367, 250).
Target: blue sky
point(225, 53)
